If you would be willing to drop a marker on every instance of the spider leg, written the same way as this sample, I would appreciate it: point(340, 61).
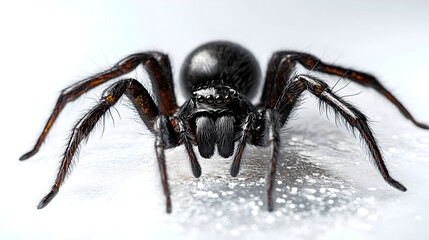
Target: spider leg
point(186, 140)
point(245, 137)
point(165, 135)
point(287, 61)
point(163, 140)
point(155, 63)
point(262, 131)
point(273, 141)
point(352, 116)
point(280, 97)
point(162, 81)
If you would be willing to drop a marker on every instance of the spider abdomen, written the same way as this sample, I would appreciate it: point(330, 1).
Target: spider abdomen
point(224, 62)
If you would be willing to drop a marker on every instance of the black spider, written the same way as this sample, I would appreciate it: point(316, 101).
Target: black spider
point(219, 77)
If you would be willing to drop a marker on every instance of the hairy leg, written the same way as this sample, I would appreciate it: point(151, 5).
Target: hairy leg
point(282, 65)
point(155, 63)
point(165, 135)
point(352, 116)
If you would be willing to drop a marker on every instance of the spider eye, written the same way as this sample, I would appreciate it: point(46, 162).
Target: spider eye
point(228, 98)
point(200, 99)
point(210, 99)
point(219, 99)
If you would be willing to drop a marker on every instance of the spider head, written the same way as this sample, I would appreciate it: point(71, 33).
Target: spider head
point(213, 96)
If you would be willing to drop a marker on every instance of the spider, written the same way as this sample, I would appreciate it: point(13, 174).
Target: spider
point(218, 77)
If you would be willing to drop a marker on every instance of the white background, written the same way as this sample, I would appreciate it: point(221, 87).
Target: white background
point(327, 188)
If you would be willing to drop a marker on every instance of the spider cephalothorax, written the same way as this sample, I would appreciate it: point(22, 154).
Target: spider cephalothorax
point(218, 78)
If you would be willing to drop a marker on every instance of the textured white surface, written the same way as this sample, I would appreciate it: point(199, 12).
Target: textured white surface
point(326, 187)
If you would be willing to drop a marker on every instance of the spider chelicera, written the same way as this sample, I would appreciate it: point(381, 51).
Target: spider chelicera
point(219, 78)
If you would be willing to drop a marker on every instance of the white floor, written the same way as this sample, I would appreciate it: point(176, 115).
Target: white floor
point(326, 186)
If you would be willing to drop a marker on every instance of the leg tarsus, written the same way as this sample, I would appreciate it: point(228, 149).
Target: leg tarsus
point(168, 203)
point(29, 154)
point(48, 198)
point(61, 102)
point(392, 182)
